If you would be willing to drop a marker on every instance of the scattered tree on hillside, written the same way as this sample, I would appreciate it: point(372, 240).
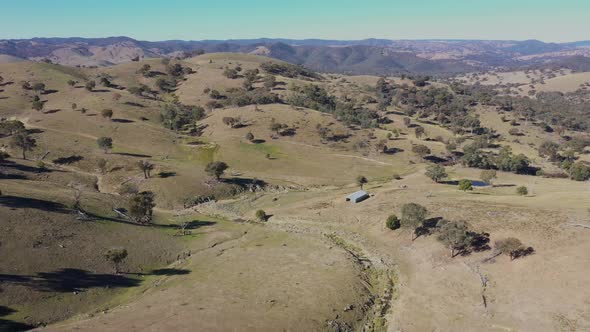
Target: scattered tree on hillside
point(38, 87)
point(413, 215)
point(488, 176)
point(522, 191)
point(419, 132)
point(23, 141)
point(74, 106)
point(72, 83)
point(107, 113)
point(105, 143)
point(436, 172)
point(37, 105)
point(216, 168)
point(90, 85)
point(141, 207)
point(145, 70)
point(511, 247)
point(116, 256)
point(393, 222)
point(25, 85)
point(11, 127)
point(102, 165)
point(421, 150)
point(549, 150)
point(455, 235)
point(230, 73)
point(465, 185)
point(261, 215)
point(250, 136)
point(269, 82)
point(407, 122)
point(579, 172)
point(146, 167)
point(361, 181)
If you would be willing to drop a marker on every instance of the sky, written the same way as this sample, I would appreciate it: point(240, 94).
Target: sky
point(546, 20)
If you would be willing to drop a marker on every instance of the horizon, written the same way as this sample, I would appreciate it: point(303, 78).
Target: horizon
point(302, 39)
point(200, 20)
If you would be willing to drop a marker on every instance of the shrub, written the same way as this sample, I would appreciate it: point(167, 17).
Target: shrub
point(421, 150)
point(116, 256)
point(393, 222)
point(261, 215)
point(579, 172)
point(361, 181)
point(522, 191)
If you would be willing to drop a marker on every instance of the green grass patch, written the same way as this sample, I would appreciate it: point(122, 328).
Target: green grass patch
point(264, 149)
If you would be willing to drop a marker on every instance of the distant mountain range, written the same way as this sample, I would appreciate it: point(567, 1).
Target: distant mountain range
point(368, 56)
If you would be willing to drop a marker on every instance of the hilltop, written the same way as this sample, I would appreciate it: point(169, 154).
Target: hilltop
point(358, 57)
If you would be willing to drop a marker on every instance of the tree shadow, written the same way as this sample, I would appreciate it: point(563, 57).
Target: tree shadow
point(169, 272)
point(52, 111)
point(393, 151)
point(122, 120)
point(101, 90)
point(9, 325)
point(67, 160)
point(32, 203)
point(49, 92)
point(165, 175)
point(435, 159)
point(258, 141)
point(130, 103)
point(70, 280)
point(137, 155)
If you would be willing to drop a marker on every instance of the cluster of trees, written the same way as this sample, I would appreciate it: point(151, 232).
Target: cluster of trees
point(243, 97)
point(176, 116)
point(317, 98)
point(505, 160)
point(288, 70)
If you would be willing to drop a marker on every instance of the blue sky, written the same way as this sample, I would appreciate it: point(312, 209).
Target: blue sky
point(547, 20)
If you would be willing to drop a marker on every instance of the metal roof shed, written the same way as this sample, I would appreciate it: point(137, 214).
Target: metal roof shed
point(357, 197)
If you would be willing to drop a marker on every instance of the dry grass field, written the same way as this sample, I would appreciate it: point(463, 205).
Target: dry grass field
point(318, 262)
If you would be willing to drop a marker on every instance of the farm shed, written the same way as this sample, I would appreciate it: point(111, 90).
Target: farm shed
point(357, 197)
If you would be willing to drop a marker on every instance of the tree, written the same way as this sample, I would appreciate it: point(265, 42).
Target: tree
point(508, 246)
point(38, 87)
point(465, 185)
point(436, 172)
point(522, 191)
point(72, 83)
point(393, 222)
point(361, 181)
point(579, 172)
point(22, 140)
point(74, 106)
point(419, 132)
point(102, 165)
point(455, 236)
point(107, 113)
point(250, 136)
point(488, 175)
point(116, 256)
point(141, 207)
point(90, 85)
point(413, 215)
point(261, 215)
point(421, 150)
point(230, 73)
point(549, 150)
point(105, 143)
point(269, 82)
point(407, 122)
point(216, 168)
point(146, 167)
point(38, 105)
point(145, 70)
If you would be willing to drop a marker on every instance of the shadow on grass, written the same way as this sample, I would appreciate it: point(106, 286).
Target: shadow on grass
point(165, 175)
point(32, 203)
point(69, 280)
point(9, 325)
point(122, 120)
point(136, 155)
point(67, 160)
point(170, 272)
